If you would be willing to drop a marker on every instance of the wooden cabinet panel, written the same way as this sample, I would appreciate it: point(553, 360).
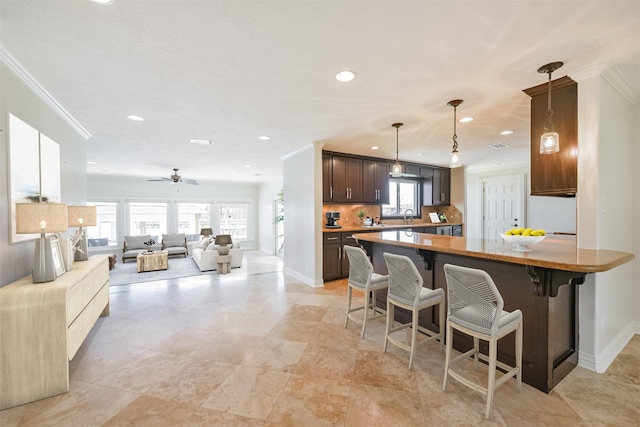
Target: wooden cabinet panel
point(346, 179)
point(331, 261)
point(375, 182)
point(555, 174)
point(43, 325)
point(327, 178)
point(437, 190)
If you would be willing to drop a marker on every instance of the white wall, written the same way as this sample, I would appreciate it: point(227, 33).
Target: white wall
point(303, 207)
point(549, 213)
point(16, 260)
point(608, 183)
point(268, 193)
point(139, 189)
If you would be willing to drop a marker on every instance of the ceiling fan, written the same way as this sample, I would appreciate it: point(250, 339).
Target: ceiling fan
point(175, 179)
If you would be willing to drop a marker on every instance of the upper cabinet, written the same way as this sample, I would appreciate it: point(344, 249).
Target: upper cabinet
point(375, 181)
point(341, 179)
point(437, 190)
point(555, 174)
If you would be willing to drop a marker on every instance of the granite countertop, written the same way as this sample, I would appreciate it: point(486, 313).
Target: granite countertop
point(555, 252)
point(370, 228)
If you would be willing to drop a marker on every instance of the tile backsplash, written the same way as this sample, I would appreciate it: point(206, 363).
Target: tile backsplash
point(349, 214)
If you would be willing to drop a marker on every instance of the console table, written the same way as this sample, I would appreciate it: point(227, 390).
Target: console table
point(42, 326)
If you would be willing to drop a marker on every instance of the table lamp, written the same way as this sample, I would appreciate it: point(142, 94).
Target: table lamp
point(33, 218)
point(206, 232)
point(222, 240)
point(81, 216)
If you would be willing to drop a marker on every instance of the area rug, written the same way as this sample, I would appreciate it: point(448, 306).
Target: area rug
point(125, 274)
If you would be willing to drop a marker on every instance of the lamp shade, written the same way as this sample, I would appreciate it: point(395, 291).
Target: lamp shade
point(223, 239)
point(81, 216)
point(41, 218)
point(206, 232)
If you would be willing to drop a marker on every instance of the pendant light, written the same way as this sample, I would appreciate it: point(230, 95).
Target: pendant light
point(455, 155)
point(396, 170)
point(550, 140)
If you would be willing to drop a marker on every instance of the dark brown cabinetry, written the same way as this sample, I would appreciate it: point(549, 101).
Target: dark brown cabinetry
point(555, 174)
point(375, 181)
point(437, 190)
point(342, 179)
point(419, 171)
point(335, 263)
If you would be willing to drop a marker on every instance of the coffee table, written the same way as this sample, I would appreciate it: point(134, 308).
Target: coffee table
point(152, 261)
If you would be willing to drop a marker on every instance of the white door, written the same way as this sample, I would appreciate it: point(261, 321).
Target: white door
point(503, 205)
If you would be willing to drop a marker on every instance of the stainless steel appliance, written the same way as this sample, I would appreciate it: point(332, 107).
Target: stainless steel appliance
point(332, 218)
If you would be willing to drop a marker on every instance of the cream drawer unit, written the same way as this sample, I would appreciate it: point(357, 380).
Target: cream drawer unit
point(42, 325)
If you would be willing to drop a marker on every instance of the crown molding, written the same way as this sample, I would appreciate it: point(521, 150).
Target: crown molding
point(297, 152)
point(16, 68)
point(620, 83)
point(611, 73)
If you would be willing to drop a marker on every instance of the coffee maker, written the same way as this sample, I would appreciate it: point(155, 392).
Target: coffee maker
point(332, 218)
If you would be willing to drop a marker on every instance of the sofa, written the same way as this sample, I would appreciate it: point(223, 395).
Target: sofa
point(205, 255)
point(133, 245)
point(175, 244)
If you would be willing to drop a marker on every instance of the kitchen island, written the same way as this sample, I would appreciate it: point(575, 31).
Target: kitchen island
point(542, 283)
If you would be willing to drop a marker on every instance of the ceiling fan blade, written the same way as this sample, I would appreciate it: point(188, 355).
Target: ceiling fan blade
point(159, 179)
point(190, 181)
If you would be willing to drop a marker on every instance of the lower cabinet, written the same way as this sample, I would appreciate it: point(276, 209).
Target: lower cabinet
point(335, 263)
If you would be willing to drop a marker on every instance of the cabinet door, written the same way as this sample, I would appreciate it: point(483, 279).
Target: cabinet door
point(369, 184)
point(375, 182)
point(327, 174)
point(354, 180)
point(413, 170)
point(446, 230)
point(441, 187)
point(382, 182)
point(339, 179)
point(331, 261)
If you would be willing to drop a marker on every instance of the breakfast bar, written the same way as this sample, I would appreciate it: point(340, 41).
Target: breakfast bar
point(543, 284)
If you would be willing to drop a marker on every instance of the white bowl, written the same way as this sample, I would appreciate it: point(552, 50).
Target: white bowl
point(521, 242)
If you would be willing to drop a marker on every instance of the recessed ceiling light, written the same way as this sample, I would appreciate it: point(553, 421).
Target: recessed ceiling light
point(506, 132)
point(264, 138)
point(200, 141)
point(103, 2)
point(136, 118)
point(345, 76)
point(419, 154)
point(375, 147)
point(247, 166)
point(92, 163)
point(466, 119)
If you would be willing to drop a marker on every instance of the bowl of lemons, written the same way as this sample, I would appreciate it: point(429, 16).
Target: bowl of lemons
point(520, 238)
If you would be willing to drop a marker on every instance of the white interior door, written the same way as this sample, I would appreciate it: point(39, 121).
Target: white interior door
point(503, 205)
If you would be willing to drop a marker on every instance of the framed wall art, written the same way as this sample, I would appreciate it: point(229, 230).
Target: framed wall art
point(34, 170)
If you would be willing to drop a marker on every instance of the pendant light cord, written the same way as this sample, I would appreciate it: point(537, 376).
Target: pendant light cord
point(455, 137)
point(397, 127)
point(547, 121)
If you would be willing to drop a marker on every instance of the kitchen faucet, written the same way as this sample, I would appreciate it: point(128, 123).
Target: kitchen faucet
point(410, 218)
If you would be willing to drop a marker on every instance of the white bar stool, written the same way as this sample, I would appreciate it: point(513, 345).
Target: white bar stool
point(475, 307)
point(362, 277)
point(406, 291)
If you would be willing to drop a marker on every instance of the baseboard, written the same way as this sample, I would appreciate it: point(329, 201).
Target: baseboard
point(303, 278)
point(601, 362)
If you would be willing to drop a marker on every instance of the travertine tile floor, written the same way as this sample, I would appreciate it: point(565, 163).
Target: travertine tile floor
point(256, 348)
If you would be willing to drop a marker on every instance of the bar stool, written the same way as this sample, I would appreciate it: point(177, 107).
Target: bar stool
point(362, 277)
point(475, 307)
point(406, 291)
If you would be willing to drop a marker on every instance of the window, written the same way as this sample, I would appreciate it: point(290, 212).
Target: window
point(104, 233)
point(148, 218)
point(191, 218)
point(233, 219)
point(403, 195)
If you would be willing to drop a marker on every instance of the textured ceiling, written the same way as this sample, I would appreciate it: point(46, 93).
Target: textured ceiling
point(230, 71)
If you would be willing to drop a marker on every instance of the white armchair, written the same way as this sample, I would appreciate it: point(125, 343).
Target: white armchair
point(205, 258)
